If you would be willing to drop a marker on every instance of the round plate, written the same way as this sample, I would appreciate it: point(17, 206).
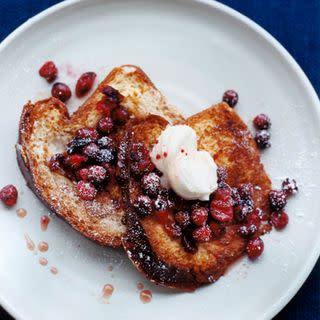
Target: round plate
point(193, 51)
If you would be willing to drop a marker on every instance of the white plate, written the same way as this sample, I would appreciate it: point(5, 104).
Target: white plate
point(193, 51)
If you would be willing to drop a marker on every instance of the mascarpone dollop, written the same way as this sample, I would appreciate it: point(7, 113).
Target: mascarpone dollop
point(192, 174)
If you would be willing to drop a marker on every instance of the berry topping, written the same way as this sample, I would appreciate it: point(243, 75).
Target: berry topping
point(120, 115)
point(55, 162)
point(279, 219)
point(97, 174)
point(161, 203)
point(217, 230)
point(230, 97)
point(49, 71)
point(91, 150)
point(87, 133)
point(246, 190)
point(106, 143)
point(247, 230)
point(105, 156)
point(222, 175)
point(223, 194)
point(85, 83)
point(86, 190)
point(105, 125)
point(182, 218)
point(140, 159)
point(242, 209)
point(9, 195)
point(75, 161)
point(221, 211)
point(173, 230)
point(77, 144)
point(277, 200)
point(289, 186)
point(143, 206)
point(254, 248)
point(199, 216)
point(112, 94)
point(151, 185)
point(262, 138)
point(104, 107)
point(262, 122)
point(202, 234)
point(82, 174)
point(61, 91)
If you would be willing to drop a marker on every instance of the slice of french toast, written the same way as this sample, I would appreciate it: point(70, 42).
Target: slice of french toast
point(45, 129)
point(162, 258)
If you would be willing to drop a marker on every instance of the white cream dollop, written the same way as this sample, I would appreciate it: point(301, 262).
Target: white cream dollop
point(192, 174)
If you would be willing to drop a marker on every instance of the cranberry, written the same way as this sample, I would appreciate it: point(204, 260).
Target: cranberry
point(96, 174)
point(222, 175)
point(61, 91)
point(217, 230)
point(140, 160)
point(202, 234)
point(242, 209)
point(262, 138)
point(289, 186)
point(82, 174)
point(247, 230)
point(106, 143)
point(230, 97)
point(221, 211)
point(104, 107)
point(182, 218)
point(255, 217)
point(143, 206)
point(254, 248)
point(85, 83)
point(262, 121)
point(120, 115)
point(9, 195)
point(55, 162)
point(75, 161)
point(105, 156)
point(173, 230)
point(86, 190)
point(189, 243)
point(87, 133)
point(112, 94)
point(91, 150)
point(246, 190)
point(77, 144)
point(161, 203)
point(277, 200)
point(199, 216)
point(235, 196)
point(223, 194)
point(279, 219)
point(151, 184)
point(49, 71)
point(105, 125)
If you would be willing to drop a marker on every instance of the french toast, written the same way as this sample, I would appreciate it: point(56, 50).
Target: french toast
point(162, 258)
point(46, 127)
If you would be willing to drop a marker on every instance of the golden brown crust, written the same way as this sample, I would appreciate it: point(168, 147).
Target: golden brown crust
point(46, 127)
point(221, 132)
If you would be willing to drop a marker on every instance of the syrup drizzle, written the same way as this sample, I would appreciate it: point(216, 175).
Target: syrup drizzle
point(107, 292)
point(21, 213)
point(43, 246)
point(30, 244)
point(43, 261)
point(44, 221)
point(145, 296)
point(53, 270)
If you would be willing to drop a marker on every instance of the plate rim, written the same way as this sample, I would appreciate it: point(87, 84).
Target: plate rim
point(305, 271)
